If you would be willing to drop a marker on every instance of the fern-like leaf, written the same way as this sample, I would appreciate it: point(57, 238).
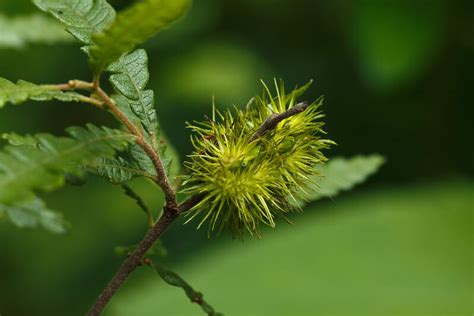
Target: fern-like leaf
point(28, 167)
point(16, 32)
point(174, 279)
point(81, 17)
point(141, 159)
point(130, 77)
point(121, 170)
point(341, 174)
point(132, 27)
point(34, 213)
point(118, 170)
point(24, 90)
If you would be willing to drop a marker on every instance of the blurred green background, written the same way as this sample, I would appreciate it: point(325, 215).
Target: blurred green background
point(397, 80)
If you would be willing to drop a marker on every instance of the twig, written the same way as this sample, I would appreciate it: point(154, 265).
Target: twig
point(272, 121)
point(82, 85)
point(76, 84)
point(150, 150)
point(163, 182)
point(190, 203)
point(171, 210)
point(132, 262)
point(92, 101)
point(133, 195)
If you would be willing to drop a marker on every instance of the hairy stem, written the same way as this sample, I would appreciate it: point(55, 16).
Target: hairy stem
point(132, 262)
point(135, 258)
point(171, 209)
point(163, 181)
point(150, 150)
point(92, 101)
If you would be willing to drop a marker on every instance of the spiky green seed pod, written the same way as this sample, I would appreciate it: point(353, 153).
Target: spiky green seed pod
point(246, 178)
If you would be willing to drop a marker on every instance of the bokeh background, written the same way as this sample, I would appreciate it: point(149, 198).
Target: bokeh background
point(397, 80)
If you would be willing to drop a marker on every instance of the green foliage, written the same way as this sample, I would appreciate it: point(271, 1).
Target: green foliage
point(17, 32)
point(117, 170)
point(196, 297)
point(137, 164)
point(81, 17)
point(137, 198)
point(130, 77)
point(40, 166)
point(240, 176)
point(133, 195)
point(34, 213)
point(24, 90)
point(341, 174)
point(132, 27)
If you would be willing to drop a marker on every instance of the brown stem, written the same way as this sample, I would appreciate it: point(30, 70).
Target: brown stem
point(163, 182)
point(75, 84)
point(135, 258)
point(133, 261)
point(82, 85)
point(150, 150)
point(171, 209)
point(92, 101)
point(272, 121)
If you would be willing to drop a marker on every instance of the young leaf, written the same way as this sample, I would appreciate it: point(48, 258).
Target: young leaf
point(27, 168)
point(116, 170)
point(142, 160)
point(24, 90)
point(124, 105)
point(130, 76)
point(132, 27)
point(341, 174)
point(120, 170)
point(19, 31)
point(175, 280)
point(32, 214)
point(133, 195)
point(82, 17)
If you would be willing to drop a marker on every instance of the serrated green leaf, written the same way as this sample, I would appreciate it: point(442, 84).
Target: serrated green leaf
point(17, 140)
point(133, 195)
point(124, 105)
point(33, 214)
point(27, 168)
point(24, 90)
point(341, 174)
point(132, 27)
point(130, 77)
point(17, 32)
point(81, 17)
point(174, 279)
point(169, 156)
point(116, 171)
point(130, 74)
point(120, 170)
point(141, 159)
